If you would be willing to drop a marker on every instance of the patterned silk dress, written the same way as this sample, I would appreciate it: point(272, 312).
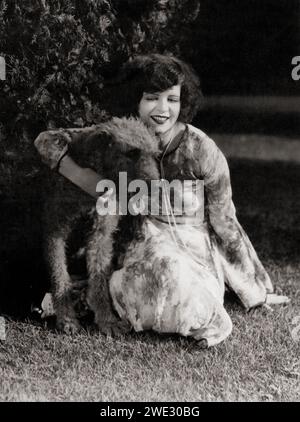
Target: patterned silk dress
point(173, 277)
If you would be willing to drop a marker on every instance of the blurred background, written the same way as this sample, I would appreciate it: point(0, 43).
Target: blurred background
point(243, 52)
point(60, 53)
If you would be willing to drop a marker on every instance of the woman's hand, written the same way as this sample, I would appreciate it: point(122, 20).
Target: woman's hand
point(274, 299)
point(52, 145)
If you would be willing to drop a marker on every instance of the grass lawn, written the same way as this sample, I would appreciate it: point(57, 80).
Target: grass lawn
point(260, 361)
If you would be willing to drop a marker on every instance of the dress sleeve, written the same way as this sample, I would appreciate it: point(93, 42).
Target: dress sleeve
point(79, 134)
point(53, 145)
point(244, 273)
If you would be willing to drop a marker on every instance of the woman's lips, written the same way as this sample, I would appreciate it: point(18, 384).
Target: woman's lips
point(159, 119)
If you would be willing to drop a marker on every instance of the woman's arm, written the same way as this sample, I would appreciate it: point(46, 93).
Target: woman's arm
point(52, 145)
point(78, 134)
point(85, 178)
point(53, 148)
point(243, 270)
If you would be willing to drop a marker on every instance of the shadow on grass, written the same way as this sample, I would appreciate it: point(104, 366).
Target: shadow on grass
point(266, 195)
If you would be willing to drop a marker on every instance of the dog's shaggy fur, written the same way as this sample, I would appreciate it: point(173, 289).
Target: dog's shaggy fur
point(120, 145)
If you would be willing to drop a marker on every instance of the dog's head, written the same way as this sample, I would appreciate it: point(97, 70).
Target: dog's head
point(122, 146)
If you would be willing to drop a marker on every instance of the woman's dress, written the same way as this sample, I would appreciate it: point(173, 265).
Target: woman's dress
point(173, 278)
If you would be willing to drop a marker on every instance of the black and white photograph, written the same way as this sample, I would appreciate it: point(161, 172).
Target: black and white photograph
point(149, 204)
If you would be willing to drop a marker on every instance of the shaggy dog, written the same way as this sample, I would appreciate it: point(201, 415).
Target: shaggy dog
point(120, 145)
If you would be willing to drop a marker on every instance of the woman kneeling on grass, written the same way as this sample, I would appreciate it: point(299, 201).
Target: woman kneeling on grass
point(173, 278)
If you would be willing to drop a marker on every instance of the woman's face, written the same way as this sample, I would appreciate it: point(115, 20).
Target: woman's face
point(160, 110)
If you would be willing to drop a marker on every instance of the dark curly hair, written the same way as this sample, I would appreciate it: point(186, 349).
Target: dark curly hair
point(152, 73)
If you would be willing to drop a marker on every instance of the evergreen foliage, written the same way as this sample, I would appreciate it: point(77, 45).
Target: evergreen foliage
point(59, 52)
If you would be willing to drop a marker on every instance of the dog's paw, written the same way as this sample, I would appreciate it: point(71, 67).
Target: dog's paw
point(202, 344)
point(68, 325)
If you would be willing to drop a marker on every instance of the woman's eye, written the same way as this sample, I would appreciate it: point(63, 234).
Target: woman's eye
point(174, 100)
point(151, 98)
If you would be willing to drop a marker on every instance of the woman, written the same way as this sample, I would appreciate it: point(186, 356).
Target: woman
point(173, 277)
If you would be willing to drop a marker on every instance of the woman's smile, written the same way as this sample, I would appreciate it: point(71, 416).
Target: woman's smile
point(160, 119)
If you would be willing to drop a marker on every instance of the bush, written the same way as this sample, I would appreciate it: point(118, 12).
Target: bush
point(59, 52)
